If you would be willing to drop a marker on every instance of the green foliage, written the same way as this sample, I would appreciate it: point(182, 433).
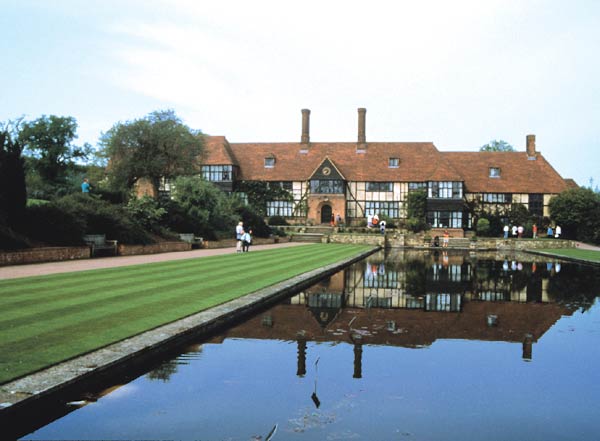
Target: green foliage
point(518, 214)
point(389, 222)
point(48, 141)
point(65, 221)
point(211, 211)
point(416, 210)
point(13, 194)
point(253, 221)
point(101, 217)
point(261, 192)
point(577, 211)
point(147, 212)
point(497, 146)
point(177, 218)
point(154, 147)
point(483, 227)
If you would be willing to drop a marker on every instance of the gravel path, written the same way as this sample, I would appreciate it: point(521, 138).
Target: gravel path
point(38, 269)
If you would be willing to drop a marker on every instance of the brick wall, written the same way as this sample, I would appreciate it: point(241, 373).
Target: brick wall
point(163, 247)
point(50, 254)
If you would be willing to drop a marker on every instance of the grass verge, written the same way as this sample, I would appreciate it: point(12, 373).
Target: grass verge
point(49, 319)
point(589, 255)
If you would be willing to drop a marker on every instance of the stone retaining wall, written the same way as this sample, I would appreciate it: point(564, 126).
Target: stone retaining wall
point(229, 243)
point(162, 247)
point(367, 239)
point(48, 254)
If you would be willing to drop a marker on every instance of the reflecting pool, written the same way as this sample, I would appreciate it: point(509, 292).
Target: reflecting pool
point(406, 345)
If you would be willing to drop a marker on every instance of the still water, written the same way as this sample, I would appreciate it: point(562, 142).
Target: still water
point(402, 346)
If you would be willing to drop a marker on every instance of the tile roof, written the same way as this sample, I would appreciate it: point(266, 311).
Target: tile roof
point(417, 162)
point(518, 174)
point(217, 151)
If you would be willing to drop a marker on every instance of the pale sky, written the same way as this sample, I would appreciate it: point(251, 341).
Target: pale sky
point(456, 73)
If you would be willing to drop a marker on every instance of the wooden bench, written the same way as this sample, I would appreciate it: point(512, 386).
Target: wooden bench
point(98, 244)
point(196, 242)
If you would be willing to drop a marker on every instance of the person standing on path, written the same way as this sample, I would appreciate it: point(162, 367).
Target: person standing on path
point(514, 231)
point(534, 229)
point(550, 232)
point(239, 231)
point(246, 240)
point(557, 232)
point(505, 229)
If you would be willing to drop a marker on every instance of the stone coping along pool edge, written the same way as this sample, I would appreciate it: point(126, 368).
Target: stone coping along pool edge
point(17, 395)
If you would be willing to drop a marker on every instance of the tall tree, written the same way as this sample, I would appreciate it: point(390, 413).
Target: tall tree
point(49, 141)
point(154, 147)
point(577, 211)
point(497, 146)
point(13, 193)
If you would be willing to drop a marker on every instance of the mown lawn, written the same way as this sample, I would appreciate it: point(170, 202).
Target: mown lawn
point(591, 255)
point(48, 319)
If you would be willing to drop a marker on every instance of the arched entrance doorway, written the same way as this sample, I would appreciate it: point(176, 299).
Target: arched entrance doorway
point(326, 214)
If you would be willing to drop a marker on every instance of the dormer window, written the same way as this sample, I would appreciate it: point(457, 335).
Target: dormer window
point(394, 163)
point(494, 172)
point(269, 162)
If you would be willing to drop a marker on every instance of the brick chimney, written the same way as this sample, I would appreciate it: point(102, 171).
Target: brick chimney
point(530, 146)
point(362, 138)
point(305, 126)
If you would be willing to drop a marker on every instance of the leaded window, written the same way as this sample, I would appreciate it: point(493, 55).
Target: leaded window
point(445, 219)
point(217, 173)
point(497, 198)
point(444, 189)
point(280, 208)
point(379, 186)
point(326, 186)
point(389, 209)
point(536, 204)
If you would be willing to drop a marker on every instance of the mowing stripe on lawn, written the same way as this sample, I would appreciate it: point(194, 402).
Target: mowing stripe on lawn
point(79, 312)
point(141, 289)
point(144, 294)
point(71, 300)
point(33, 285)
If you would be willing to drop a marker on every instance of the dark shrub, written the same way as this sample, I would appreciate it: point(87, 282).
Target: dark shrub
point(483, 227)
point(11, 240)
point(101, 217)
point(52, 225)
point(253, 221)
point(178, 219)
point(278, 220)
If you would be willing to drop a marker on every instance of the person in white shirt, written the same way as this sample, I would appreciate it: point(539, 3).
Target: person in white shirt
point(239, 231)
point(246, 240)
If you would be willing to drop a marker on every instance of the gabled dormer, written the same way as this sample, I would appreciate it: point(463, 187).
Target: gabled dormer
point(327, 170)
point(327, 179)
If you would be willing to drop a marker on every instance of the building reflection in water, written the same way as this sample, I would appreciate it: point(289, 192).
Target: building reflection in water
point(413, 298)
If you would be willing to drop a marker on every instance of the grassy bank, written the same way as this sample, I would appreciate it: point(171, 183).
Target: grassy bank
point(588, 255)
point(49, 319)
